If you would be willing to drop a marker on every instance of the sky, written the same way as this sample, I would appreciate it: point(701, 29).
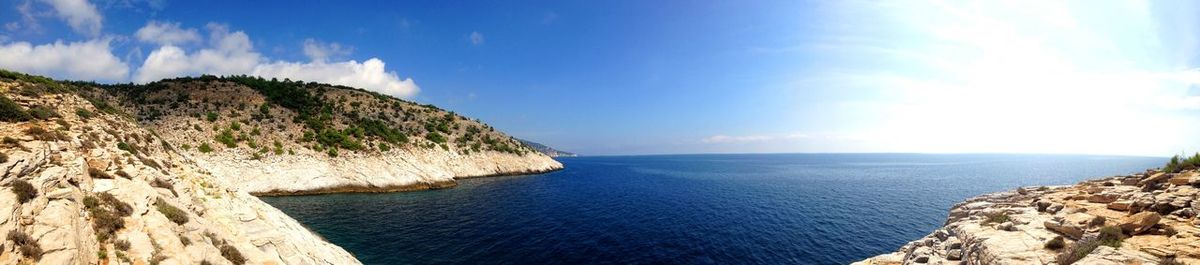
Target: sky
point(664, 77)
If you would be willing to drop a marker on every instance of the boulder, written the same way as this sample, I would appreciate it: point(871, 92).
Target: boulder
point(1062, 226)
point(1103, 197)
point(1180, 180)
point(1120, 205)
point(1157, 177)
point(1138, 222)
point(954, 255)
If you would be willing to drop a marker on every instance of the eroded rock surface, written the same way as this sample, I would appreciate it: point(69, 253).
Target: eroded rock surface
point(1155, 212)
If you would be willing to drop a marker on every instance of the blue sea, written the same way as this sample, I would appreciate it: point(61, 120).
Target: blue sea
point(684, 209)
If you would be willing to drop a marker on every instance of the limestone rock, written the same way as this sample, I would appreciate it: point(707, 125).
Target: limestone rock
point(1120, 205)
point(1139, 222)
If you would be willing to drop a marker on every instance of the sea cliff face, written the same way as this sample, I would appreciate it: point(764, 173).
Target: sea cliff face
point(89, 188)
point(1147, 218)
point(398, 170)
point(166, 173)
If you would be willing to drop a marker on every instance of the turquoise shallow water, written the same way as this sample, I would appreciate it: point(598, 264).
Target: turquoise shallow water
point(683, 209)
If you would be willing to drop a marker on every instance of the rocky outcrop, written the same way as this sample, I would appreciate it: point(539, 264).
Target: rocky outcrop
point(82, 187)
point(354, 141)
point(1153, 213)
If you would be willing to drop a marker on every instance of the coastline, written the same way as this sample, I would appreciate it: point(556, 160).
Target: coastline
point(436, 185)
point(1153, 215)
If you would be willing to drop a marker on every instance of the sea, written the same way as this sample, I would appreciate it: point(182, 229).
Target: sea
point(684, 209)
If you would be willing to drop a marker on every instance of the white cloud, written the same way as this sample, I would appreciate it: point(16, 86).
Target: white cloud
point(476, 38)
point(166, 33)
point(320, 52)
point(370, 74)
point(88, 60)
point(232, 53)
point(81, 15)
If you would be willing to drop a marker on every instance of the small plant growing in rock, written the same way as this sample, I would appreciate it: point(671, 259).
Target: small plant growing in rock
point(121, 245)
point(996, 218)
point(1096, 221)
point(124, 146)
point(98, 173)
point(26, 244)
point(1169, 260)
point(204, 148)
point(171, 212)
point(24, 190)
point(83, 114)
point(1056, 243)
point(11, 112)
point(1111, 236)
point(1077, 251)
point(43, 113)
point(211, 116)
point(232, 254)
point(107, 213)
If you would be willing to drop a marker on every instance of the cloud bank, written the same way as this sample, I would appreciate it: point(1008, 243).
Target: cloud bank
point(180, 51)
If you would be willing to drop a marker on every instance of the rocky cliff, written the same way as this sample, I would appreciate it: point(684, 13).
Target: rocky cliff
point(271, 137)
point(1147, 218)
point(164, 173)
point(83, 187)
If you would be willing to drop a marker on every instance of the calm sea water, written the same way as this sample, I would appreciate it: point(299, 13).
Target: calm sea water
point(683, 209)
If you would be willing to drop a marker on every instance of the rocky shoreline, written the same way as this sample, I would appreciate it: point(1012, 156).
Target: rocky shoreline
point(398, 188)
point(1145, 218)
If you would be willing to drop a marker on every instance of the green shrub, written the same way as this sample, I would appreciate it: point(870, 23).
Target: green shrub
point(107, 213)
point(211, 116)
point(91, 202)
point(11, 112)
point(84, 114)
point(171, 212)
point(26, 244)
point(121, 245)
point(235, 125)
point(204, 148)
point(185, 147)
point(232, 254)
point(996, 218)
point(1056, 243)
point(1111, 236)
point(226, 137)
point(124, 146)
point(24, 190)
point(122, 209)
point(1077, 251)
point(435, 137)
point(42, 134)
point(43, 113)
point(1096, 221)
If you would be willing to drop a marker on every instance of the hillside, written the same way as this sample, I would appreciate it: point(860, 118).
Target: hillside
point(546, 150)
point(83, 185)
point(164, 173)
point(271, 137)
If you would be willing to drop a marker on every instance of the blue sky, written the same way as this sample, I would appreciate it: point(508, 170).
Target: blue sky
point(645, 77)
